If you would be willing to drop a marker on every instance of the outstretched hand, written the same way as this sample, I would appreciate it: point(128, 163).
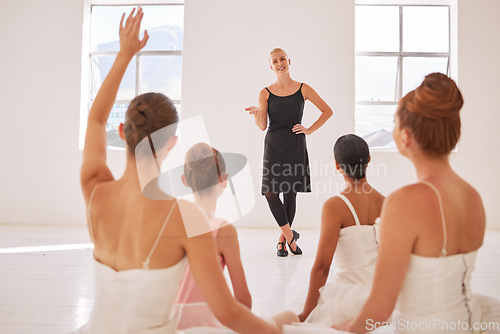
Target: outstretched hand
point(253, 110)
point(130, 43)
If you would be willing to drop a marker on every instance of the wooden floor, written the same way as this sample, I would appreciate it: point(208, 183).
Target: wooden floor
point(46, 278)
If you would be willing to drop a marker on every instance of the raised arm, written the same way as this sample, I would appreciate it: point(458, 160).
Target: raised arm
point(260, 112)
point(397, 236)
point(326, 112)
point(228, 245)
point(330, 230)
point(94, 169)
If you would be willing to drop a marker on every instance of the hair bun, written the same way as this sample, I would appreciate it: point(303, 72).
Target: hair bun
point(204, 167)
point(200, 158)
point(438, 97)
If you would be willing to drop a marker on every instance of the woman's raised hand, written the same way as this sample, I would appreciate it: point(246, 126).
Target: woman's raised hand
point(253, 110)
point(130, 43)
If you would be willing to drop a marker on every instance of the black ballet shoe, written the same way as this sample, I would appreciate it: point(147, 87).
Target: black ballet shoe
point(281, 252)
point(295, 237)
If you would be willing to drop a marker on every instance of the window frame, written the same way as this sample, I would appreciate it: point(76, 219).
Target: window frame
point(400, 54)
point(88, 54)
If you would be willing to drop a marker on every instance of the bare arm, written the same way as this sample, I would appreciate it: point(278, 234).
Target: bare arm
point(202, 256)
point(94, 169)
point(227, 243)
point(330, 230)
point(326, 112)
point(260, 112)
point(397, 236)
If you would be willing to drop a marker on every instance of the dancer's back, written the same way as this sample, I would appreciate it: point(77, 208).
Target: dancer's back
point(449, 229)
point(126, 224)
point(357, 246)
point(463, 215)
point(138, 260)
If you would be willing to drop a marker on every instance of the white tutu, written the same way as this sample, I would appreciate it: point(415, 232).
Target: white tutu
point(339, 302)
point(490, 313)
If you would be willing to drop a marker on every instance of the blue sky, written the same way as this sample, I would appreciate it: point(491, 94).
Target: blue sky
point(106, 19)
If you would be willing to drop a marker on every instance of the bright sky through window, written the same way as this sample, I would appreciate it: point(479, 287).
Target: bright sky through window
point(105, 20)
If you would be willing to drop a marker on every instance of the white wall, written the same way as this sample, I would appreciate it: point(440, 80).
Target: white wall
point(479, 72)
point(40, 88)
point(225, 66)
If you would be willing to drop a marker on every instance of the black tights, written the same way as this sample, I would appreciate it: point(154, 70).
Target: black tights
point(282, 212)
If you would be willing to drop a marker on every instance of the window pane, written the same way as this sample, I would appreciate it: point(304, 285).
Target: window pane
point(162, 74)
point(416, 68)
point(116, 117)
point(426, 29)
point(178, 107)
point(165, 25)
point(100, 68)
point(377, 28)
point(105, 26)
point(375, 124)
point(376, 78)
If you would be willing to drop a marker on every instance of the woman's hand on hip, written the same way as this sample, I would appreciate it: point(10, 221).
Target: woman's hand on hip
point(299, 128)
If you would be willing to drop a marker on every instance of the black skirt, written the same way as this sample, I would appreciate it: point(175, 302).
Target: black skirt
point(285, 162)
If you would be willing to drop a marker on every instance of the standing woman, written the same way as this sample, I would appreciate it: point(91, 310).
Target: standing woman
point(286, 163)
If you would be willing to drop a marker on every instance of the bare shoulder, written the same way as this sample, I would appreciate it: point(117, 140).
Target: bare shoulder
point(473, 201)
point(334, 212)
point(102, 193)
point(306, 89)
point(227, 231)
point(377, 194)
point(472, 192)
point(410, 203)
point(191, 221)
point(306, 86)
point(333, 204)
point(264, 93)
point(413, 195)
point(227, 240)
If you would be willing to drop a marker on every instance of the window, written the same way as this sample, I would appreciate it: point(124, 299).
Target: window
point(396, 46)
point(156, 68)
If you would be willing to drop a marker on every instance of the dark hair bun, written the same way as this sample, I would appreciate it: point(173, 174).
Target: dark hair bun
point(352, 154)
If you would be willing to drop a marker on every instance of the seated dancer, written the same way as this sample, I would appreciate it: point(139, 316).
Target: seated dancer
point(430, 231)
point(347, 230)
point(205, 173)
